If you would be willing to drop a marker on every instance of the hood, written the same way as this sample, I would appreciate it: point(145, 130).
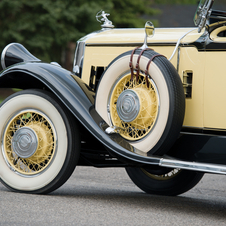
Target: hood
point(132, 36)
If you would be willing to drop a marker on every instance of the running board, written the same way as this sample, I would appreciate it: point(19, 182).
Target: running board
point(202, 167)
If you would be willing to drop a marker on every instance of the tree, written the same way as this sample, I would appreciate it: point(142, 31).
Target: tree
point(45, 27)
point(129, 13)
point(176, 1)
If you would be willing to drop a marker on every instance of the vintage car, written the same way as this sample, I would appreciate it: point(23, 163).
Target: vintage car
point(122, 106)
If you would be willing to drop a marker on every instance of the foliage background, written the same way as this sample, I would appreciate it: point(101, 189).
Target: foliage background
point(49, 29)
point(46, 27)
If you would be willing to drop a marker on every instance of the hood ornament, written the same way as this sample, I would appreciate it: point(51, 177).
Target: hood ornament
point(107, 23)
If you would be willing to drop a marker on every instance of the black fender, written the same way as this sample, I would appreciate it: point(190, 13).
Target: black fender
point(77, 97)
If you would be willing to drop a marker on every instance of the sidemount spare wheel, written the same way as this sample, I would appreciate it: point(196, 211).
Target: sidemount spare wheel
point(40, 142)
point(145, 104)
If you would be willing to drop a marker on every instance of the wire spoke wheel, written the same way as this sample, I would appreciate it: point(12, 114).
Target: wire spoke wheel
point(147, 111)
point(166, 176)
point(134, 106)
point(29, 142)
point(40, 142)
point(163, 181)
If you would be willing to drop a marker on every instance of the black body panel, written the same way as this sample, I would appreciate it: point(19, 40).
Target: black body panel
point(200, 148)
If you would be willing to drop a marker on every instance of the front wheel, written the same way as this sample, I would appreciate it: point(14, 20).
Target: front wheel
point(39, 142)
point(164, 181)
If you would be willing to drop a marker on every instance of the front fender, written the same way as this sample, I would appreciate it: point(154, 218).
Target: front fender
point(77, 97)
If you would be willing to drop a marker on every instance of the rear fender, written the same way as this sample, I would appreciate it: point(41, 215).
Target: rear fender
point(77, 97)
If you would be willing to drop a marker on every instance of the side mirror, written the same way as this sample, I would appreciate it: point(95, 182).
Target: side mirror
point(149, 32)
point(149, 29)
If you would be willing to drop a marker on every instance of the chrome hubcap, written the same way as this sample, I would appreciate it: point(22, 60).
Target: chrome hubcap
point(128, 105)
point(133, 106)
point(25, 142)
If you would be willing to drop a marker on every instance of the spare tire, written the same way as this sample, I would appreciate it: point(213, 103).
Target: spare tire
point(147, 110)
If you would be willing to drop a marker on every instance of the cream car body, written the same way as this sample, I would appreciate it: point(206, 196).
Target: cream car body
point(123, 105)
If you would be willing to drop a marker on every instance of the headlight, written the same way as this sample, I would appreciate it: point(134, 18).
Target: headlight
point(16, 53)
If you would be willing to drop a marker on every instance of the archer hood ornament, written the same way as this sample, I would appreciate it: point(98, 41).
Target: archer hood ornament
point(107, 23)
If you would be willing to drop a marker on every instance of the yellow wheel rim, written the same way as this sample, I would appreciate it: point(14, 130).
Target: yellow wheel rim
point(171, 174)
point(29, 142)
point(134, 106)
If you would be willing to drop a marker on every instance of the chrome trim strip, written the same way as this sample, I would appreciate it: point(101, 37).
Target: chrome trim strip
point(2, 58)
point(80, 50)
point(178, 59)
point(195, 166)
point(78, 58)
point(3, 55)
point(131, 44)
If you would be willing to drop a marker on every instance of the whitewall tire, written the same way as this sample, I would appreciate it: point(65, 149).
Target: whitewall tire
point(39, 142)
point(150, 118)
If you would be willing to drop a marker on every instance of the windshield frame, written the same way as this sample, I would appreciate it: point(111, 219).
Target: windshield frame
point(202, 14)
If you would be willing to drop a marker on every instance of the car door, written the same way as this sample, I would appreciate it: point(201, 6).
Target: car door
point(215, 80)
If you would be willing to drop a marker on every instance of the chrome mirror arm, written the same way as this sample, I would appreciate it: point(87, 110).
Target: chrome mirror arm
point(145, 45)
